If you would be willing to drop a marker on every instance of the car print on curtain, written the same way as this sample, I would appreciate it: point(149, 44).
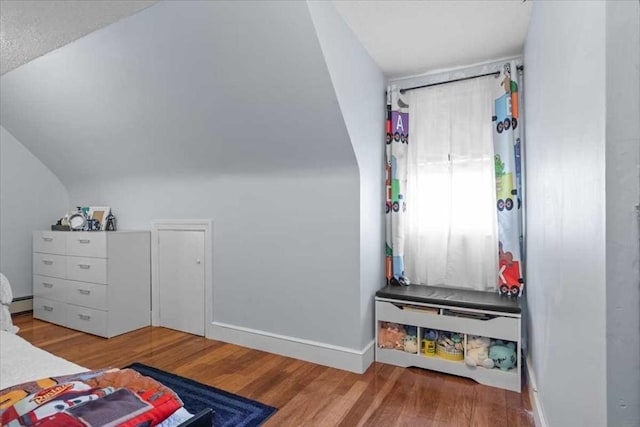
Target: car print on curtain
point(397, 140)
point(506, 142)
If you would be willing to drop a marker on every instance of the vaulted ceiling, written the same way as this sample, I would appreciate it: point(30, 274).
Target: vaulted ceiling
point(403, 37)
point(214, 87)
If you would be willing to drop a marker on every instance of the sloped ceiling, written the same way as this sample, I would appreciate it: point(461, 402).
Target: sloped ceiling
point(404, 37)
point(31, 28)
point(182, 88)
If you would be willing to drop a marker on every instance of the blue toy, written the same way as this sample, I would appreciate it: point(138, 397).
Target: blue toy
point(430, 335)
point(503, 355)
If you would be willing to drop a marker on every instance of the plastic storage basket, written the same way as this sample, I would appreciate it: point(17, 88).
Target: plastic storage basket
point(449, 346)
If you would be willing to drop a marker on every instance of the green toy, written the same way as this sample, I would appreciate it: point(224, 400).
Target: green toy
point(503, 355)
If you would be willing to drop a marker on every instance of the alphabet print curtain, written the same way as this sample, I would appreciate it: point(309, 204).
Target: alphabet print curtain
point(507, 145)
point(396, 184)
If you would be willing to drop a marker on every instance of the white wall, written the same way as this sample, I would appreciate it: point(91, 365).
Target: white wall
point(564, 57)
point(225, 110)
point(285, 244)
point(359, 86)
point(31, 198)
point(622, 204)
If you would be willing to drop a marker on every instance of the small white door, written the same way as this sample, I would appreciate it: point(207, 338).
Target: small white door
point(181, 280)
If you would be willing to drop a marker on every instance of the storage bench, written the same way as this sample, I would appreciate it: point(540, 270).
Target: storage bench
point(423, 309)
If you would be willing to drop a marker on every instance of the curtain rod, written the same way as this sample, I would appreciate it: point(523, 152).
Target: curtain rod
point(495, 73)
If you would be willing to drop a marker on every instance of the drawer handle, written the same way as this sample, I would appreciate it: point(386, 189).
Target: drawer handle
point(47, 262)
point(84, 240)
point(84, 317)
point(47, 285)
point(84, 291)
point(48, 239)
point(47, 308)
point(84, 266)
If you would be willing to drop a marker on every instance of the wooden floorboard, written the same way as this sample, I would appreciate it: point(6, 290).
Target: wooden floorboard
point(305, 394)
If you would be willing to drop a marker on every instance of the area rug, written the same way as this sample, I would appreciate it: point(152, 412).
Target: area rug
point(230, 410)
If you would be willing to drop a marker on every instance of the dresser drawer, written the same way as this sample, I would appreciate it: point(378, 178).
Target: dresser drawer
point(50, 265)
point(50, 242)
point(85, 294)
point(87, 244)
point(49, 310)
point(82, 269)
point(87, 319)
point(50, 287)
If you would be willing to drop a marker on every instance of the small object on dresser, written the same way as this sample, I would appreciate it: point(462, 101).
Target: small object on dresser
point(99, 213)
point(93, 225)
point(58, 226)
point(110, 224)
point(78, 221)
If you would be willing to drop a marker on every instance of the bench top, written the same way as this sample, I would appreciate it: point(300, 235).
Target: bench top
point(454, 297)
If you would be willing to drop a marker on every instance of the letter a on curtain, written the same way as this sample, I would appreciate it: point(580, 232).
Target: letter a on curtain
point(396, 184)
point(506, 142)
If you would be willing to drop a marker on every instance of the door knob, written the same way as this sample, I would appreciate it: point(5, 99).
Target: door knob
point(197, 261)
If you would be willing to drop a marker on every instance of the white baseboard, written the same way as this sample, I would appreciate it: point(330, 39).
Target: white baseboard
point(21, 306)
point(536, 404)
point(312, 351)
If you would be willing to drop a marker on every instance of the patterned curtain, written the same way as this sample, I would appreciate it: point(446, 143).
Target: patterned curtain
point(396, 184)
point(506, 142)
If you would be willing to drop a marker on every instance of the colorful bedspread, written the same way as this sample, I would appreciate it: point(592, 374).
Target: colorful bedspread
point(113, 397)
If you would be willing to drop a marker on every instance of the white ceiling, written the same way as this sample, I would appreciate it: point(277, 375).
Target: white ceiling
point(403, 37)
point(412, 37)
point(31, 28)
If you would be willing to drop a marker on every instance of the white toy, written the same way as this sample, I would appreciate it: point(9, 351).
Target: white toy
point(6, 296)
point(411, 344)
point(478, 352)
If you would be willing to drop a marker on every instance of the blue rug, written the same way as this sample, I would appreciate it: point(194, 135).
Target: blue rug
point(230, 410)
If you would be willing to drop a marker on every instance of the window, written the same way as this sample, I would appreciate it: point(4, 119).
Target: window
point(451, 221)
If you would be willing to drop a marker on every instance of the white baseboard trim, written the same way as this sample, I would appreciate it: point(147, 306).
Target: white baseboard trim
point(21, 306)
point(311, 351)
point(536, 404)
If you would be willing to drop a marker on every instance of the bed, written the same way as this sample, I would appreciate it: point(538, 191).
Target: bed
point(29, 374)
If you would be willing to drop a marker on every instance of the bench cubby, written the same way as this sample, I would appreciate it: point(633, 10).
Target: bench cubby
point(462, 312)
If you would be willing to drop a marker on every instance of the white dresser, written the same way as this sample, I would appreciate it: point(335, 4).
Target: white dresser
point(96, 282)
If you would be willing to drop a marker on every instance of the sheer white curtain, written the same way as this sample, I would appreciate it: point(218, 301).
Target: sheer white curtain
point(451, 222)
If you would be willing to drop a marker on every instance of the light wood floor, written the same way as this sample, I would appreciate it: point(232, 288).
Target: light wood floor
point(305, 394)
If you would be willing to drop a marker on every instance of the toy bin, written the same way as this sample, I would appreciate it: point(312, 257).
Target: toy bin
point(450, 345)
